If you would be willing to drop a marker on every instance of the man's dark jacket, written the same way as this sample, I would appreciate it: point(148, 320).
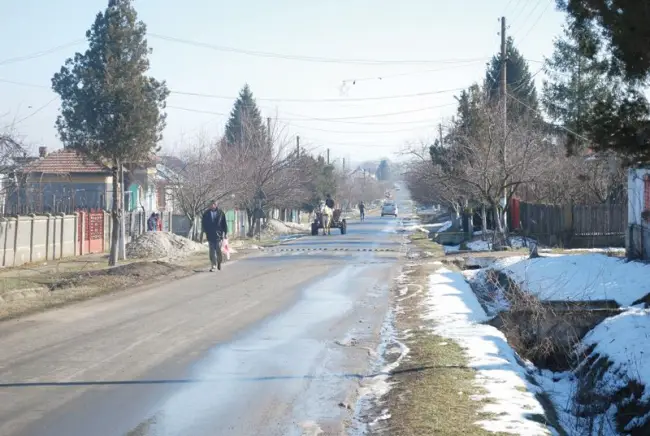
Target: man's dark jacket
point(216, 228)
point(329, 203)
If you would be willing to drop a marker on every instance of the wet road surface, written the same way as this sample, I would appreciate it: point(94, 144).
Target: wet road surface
point(275, 344)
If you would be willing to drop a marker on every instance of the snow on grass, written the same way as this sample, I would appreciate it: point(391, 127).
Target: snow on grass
point(457, 315)
point(481, 245)
point(585, 277)
point(623, 339)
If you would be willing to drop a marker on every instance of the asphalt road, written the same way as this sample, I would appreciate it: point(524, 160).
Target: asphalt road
point(274, 344)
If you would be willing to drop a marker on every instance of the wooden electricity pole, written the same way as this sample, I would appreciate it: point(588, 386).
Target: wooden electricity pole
point(504, 102)
point(297, 146)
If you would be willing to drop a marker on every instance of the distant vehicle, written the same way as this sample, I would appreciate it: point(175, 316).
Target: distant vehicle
point(389, 208)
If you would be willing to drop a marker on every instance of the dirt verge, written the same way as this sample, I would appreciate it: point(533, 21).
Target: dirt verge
point(433, 389)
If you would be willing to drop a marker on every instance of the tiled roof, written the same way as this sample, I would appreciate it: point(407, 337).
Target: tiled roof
point(65, 162)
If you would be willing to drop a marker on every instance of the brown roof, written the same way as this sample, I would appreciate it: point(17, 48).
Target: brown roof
point(65, 162)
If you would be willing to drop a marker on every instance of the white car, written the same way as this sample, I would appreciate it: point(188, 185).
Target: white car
point(389, 209)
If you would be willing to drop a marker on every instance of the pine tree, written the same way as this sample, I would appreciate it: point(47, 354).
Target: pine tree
point(245, 127)
point(622, 122)
point(383, 171)
point(519, 82)
point(111, 111)
point(575, 84)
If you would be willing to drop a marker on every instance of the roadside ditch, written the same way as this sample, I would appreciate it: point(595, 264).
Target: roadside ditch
point(583, 391)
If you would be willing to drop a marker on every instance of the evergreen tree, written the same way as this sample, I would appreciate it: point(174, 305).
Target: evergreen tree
point(383, 171)
point(622, 121)
point(576, 82)
point(245, 126)
point(111, 111)
point(519, 82)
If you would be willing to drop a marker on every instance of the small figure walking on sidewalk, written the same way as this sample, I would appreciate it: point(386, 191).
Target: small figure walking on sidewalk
point(215, 227)
point(152, 223)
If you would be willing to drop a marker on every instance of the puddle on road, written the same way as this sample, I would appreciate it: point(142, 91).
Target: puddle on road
point(272, 363)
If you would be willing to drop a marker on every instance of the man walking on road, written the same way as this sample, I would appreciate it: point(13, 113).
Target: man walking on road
point(362, 211)
point(215, 228)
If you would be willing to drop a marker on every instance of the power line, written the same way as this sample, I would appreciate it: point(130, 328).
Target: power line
point(388, 76)
point(532, 11)
point(296, 100)
point(36, 111)
point(40, 53)
point(322, 100)
point(302, 57)
point(368, 132)
point(539, 17)
point(31, 85)
point(537, 111)
point(338, 119)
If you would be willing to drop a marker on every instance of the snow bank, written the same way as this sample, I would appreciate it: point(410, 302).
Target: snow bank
point(481, 245)
point(457, 315)
point(585, 277)
point(608, 398)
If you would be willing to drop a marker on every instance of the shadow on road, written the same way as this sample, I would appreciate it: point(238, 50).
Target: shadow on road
point(394, 373)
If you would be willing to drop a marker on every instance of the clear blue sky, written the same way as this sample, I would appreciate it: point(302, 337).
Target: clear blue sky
point(456, 37)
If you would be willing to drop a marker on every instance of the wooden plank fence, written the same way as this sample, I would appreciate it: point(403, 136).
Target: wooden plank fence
point(572, 226)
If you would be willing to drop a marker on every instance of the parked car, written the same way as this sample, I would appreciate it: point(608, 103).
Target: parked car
point(389, 208)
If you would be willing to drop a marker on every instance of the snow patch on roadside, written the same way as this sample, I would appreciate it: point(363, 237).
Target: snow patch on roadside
point(457, 315)
point(585, 277)
point(376, 385)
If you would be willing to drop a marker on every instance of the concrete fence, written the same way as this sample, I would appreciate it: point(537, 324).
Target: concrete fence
point(26, 239)
point(39, 238)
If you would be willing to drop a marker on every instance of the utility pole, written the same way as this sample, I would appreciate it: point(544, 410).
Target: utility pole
point(297, 146)
point(504, 81)
point(343, 164)
point(440, 133)
point(268, 130)
point(122, 246)
point(328, 156)
point(504, 102)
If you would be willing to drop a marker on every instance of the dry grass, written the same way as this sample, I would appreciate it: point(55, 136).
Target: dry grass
point(433, 387)
point(422, 242)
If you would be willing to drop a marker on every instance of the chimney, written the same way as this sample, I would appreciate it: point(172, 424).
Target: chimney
point(42, 151)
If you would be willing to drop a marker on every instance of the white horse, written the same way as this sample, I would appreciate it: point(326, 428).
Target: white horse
point(326, 214)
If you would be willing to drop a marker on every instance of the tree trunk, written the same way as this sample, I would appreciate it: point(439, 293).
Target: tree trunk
point(251, 223)
point(116, 215)
point(484, 221)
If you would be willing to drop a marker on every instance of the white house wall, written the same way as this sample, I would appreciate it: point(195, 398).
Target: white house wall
point(635, 184)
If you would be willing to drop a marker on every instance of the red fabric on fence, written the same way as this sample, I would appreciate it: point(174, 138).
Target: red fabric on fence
point(514, 214)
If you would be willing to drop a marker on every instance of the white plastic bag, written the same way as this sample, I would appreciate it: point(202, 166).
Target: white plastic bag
point(225, 248)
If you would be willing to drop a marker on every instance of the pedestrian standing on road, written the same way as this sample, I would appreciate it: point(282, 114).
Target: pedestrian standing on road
point(362, 211)
point(152, 223)
point(215, 228)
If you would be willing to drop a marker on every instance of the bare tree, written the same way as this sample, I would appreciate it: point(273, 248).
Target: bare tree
point(200, 176)
point(268, 171)
point(493, 159)
point(11, 150)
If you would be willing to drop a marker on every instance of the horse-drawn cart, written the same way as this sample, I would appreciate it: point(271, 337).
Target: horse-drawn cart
point(337, 222)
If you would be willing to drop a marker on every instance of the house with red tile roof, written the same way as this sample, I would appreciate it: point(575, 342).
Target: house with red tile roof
point(64, 181)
